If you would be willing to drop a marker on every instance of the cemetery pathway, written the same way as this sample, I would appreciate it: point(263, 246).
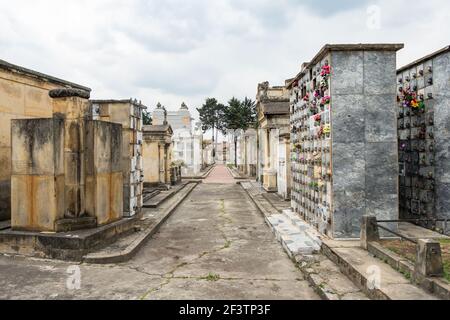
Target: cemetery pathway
point(216, 245)
point(221, 175)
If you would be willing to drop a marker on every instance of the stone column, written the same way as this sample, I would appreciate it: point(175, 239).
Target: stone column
point(245, 156)
point(287, 152)
point(161, 149)
point(166, 164)
point(267, 150)
point(73, 107)
point(429, 258)
point(270, 175)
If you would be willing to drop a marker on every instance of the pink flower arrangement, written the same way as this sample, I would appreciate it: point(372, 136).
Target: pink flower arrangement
point(326, 70)
point(326, 100)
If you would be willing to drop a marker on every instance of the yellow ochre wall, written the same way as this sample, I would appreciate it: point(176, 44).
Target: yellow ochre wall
point(22, 96)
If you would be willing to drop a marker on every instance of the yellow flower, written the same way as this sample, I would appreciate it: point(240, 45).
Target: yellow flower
point(327, 129)
point(414, 103)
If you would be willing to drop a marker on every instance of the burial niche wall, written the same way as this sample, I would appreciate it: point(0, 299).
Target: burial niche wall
point(423, 98)
point(343, 133)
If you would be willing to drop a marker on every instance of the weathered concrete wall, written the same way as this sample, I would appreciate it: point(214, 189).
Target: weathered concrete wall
point(104, 175)
point(23, 95)
point(128, 113)
point(37, 180)
point(66, 168)
point(74, 111)
point(150, 152)
point(364, 146)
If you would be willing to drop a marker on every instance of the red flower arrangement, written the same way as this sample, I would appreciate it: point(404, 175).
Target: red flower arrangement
point(317, 117)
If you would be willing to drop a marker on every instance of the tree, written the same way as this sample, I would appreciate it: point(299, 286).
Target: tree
point(211, 117)
point(220, 118)
point(147, 118)
point(239, 116)
point(250, 107)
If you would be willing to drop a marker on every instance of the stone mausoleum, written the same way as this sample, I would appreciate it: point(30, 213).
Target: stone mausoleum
point(24, 94)
point(157, 153)
point(273, 169)
point(128, 113)
point(344, 137)
point(187, 143)
point(66, 171)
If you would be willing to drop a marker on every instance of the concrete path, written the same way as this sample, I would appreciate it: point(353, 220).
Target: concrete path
point(216, 245)
point(220, 175)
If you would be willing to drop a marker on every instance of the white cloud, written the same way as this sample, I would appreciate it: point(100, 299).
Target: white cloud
point(173, 51)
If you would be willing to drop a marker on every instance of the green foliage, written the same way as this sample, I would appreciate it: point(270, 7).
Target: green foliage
point(250, 105)
point(147, 118)
point(212, 117)
point(220, 118)
point(406, 274)
point(208, 115)
point(227, 244)
point(237, 115)
point(212, 277)
point(240, 115)
point(178, 163)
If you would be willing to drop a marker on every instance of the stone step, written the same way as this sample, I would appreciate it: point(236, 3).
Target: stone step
point(295, 219)
point(375, 278)
point(150, 195)
point(329, 282)
point(294, 240)
point(163, 196)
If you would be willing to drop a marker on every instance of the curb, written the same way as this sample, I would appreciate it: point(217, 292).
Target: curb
point(203, 176)
point(134, 247)
point(238, 177)
point(321, 288)
point(353, 274)
point(168, 197)
point(264, 212)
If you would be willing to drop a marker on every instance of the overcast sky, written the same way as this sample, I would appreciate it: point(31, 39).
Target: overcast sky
point(186, 50)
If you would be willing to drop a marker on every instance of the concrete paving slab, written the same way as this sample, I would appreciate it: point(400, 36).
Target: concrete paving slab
point(230, 289)
point(192, 250)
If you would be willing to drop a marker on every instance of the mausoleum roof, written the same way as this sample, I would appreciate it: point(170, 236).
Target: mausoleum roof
point(424, 59)
point(118, 101)
point(345, 47)
point(40, 76)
